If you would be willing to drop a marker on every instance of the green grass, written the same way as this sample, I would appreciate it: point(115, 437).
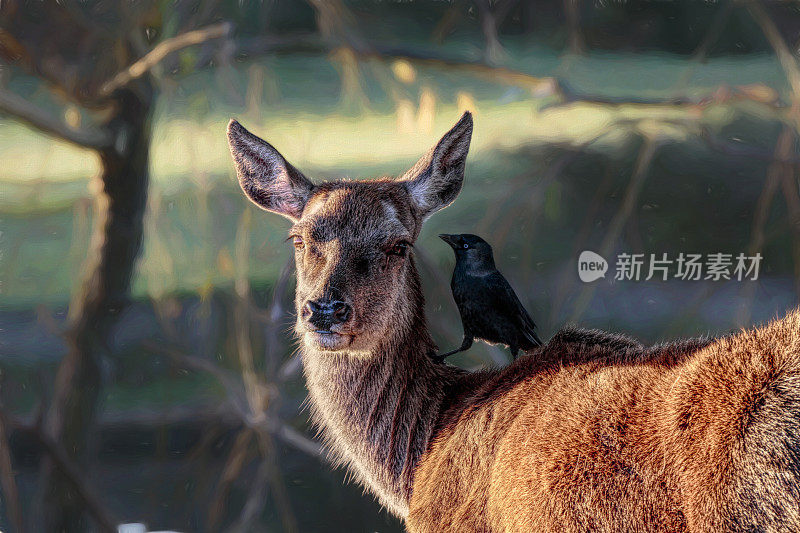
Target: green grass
point(196, 208)
point(300, 113)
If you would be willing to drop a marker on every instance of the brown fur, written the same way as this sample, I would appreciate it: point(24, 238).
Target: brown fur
point(591, 437)
point(592, 432)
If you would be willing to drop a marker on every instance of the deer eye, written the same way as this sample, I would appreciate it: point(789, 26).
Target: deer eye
point(298, 243)
point(399, 249)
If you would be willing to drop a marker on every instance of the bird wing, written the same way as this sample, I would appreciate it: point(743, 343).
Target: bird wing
point(507, 301)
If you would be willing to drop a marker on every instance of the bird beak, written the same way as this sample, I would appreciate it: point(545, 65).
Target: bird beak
point(449, 239)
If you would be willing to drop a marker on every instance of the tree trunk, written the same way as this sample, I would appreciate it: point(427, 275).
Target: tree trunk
point(575, 42)
point(120, 204)
point(493, 53)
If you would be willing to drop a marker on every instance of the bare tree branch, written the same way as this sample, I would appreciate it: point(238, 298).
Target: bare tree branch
point(226, 379)
point(724, 94)
point(162, 50)
point(650, 145)
point(744, 150)
point(295, 438)
point(567, 279)
point(551, 86)
point(23, 110)
point(255, 500)
point(236, 394)
point(787, 60)
point(701, 52)
point(726, 146)
point(539, 86)
point(493, 52)
point(337, 25)
point(230, 472)
point(723, 146)
point(14, 52)
point(290, 368)
point(86, 492)
point(572, 10)
point(783, 148)
point(448, 21)
point(275, 314)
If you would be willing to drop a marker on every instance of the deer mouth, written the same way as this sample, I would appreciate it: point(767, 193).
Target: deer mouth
point(328, 341)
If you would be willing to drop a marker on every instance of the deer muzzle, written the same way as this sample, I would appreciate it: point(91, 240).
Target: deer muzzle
point(325, 322)
point(324, 314)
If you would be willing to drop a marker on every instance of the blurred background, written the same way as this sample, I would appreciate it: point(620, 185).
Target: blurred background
point(147, 370)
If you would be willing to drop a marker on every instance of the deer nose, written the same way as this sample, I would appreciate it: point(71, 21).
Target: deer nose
point(323, 314)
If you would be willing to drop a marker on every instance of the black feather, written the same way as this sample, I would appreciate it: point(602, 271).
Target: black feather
point(490, 310)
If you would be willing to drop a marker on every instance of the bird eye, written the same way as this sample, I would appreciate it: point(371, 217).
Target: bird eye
point(399, 249)
point(466, 246)
point(298, 243)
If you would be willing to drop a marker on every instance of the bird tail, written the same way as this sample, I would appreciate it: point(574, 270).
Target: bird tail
point(532, 338)
point(536, 340)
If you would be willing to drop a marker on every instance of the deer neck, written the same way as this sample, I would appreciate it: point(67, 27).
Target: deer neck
point(378, 412)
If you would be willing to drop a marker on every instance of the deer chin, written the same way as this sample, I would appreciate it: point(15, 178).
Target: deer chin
point(327, 341)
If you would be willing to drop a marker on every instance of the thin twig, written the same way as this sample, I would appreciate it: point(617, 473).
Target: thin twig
point(253, 386)
point(570, 94)
point(567, 278)
point(290, 368)
point(256, 390)
point(572, 9)
point(534, 197)
point(231, 470)
point(255, 500)
point(105, 520)
point(539, 86)
point(646, 154)
point(744, 150)
point(279, 493)
point(711, 37)
point(162, 50)
point(782, 148)
point(773, 35)
point(25, 111)
point(274, 320)
point(723, 146)
point(226, 379)
point(240, 406)
point(448, 21)
point(295, 438)
point(493, 52)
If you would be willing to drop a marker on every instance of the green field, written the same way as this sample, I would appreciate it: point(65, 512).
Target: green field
point(195, 207)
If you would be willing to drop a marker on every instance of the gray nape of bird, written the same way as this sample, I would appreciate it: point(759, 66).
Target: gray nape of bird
point(490, 310)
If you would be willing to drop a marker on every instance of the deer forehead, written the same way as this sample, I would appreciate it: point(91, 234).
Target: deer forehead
point(356, 214)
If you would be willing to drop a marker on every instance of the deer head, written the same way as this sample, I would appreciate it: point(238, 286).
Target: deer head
point(356, 280)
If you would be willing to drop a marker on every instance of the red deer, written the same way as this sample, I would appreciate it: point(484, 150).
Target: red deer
point(591, 432)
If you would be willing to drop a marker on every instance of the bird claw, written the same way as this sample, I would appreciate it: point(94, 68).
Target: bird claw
point(438, 358)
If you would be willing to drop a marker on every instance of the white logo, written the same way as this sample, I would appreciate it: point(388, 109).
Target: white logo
point(591, 266)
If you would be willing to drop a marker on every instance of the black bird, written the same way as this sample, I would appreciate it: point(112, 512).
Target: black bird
point(489, 308)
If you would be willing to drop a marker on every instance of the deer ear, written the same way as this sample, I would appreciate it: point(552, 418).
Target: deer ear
point(436, 179)
point(265, 176)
